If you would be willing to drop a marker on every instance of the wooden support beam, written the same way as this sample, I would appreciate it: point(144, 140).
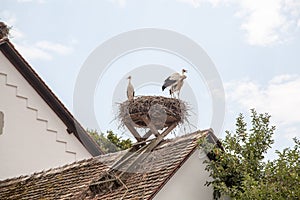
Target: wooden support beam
point(133, 131)
point(148, 134)
point(151, 126)
point(117, 165)
point(143, 142)
point(145, 152)
point(154, 143)
point(140, 156)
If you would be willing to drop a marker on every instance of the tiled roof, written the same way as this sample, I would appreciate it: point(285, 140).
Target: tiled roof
point(73, 181)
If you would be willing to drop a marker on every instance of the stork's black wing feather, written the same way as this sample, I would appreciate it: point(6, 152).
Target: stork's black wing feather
point(168, 82)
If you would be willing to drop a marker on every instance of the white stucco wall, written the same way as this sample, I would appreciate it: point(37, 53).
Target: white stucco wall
point(188, 182)
point(33, 137)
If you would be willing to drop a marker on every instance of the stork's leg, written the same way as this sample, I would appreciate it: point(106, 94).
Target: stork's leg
point(173, 93)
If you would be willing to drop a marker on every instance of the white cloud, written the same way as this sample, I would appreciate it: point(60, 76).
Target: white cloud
point(31, 1)
point(197, 3)
point(265, 22)
point(42, 50)
point(280, 98)
point(282, 78)
point(32, 52)
point(262, 21)
point(292, 6)
point(194, 3)
point(121, 3)
point(54, 47)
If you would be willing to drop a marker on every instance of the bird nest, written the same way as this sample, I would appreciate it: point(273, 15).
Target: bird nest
point(160, 111)
point(4, 30)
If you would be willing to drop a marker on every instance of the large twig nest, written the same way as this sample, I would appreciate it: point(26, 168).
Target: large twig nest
point(160, 111)
point(4, 30)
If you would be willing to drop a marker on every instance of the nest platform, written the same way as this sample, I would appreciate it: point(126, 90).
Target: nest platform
point(160, 115)
point(161, 111)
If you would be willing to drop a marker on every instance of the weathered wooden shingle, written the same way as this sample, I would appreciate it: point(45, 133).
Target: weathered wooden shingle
point(72, 181)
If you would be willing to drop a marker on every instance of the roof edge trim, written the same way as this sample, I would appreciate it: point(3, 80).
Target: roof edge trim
point(49, 97)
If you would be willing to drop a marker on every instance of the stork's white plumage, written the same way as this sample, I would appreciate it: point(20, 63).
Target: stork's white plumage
point(175, 81)
point(177, 86)
point(130, 89)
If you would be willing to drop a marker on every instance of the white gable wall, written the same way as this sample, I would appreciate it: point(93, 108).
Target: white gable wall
point(188, 182)
point(33, 138)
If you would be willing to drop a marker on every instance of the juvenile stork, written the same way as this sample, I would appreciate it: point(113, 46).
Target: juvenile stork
point(175, 82)
point(130, 89)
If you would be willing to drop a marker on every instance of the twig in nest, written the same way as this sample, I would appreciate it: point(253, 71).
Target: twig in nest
point(162, 111)
point(4, 30)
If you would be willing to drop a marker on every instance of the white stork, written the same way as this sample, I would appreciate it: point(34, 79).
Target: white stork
point(177, 86)
point(175, 81)
point(130, 89)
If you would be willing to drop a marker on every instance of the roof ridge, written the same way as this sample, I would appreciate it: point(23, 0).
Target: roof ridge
point(196, 134)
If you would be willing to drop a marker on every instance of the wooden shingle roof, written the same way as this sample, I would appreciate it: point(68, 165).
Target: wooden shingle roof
point(72, 181)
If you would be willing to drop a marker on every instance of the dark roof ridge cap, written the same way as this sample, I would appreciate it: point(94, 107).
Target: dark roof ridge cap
point(194, 135)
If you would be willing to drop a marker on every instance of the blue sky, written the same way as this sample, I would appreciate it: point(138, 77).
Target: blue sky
point(254, 45)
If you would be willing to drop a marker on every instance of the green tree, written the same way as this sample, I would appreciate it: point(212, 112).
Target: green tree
point(240, 172)
point(120, 143)
point(110, 143)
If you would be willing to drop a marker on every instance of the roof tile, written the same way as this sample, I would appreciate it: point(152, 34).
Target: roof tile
point(72, 181)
